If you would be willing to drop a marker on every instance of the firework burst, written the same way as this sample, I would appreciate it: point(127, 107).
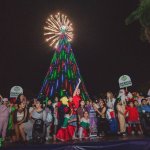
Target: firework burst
point(56, 27)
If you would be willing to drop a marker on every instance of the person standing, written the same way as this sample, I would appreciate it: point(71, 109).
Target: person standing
point(4, 116)
point(20, 116)
point(76, 95)
point(102, 123)
point(121, 116)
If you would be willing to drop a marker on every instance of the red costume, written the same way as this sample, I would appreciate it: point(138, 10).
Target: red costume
point(133, 115)
point(76, 101)
point(132, 119)
point(71, 105)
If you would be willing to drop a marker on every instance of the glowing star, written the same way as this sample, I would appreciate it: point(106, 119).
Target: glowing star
point(57, 26)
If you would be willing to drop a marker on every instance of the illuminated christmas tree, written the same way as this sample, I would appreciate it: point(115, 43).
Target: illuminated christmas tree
point(63, 73)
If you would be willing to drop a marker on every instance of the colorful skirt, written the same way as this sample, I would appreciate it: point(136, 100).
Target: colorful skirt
point(71, 131)
point(63, 134)
point(83, 133)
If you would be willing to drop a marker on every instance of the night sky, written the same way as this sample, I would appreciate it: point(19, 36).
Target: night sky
point(104, 47)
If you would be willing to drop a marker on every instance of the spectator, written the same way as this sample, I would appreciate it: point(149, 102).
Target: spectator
point(84, 126)
point(37, 113)
point(145, 107)
point(102, 124)
point(20, 116)
point(4, 115)
point(81, 109)
point(121, 117)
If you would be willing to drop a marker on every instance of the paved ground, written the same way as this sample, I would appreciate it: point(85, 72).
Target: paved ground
point(89, 140)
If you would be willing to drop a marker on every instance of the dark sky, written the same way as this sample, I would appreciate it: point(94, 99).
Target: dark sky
point(104, 46)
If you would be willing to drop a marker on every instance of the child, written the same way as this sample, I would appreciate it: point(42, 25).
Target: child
point(133, 119)
point(62, 133)
point(72, 124)
point(84, 126)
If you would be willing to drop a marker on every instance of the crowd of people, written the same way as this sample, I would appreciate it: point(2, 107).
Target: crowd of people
point(71, 118)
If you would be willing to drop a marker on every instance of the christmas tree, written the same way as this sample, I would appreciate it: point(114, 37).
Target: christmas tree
point(63, 73)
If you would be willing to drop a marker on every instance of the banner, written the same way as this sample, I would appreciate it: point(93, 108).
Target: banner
point(15, 91)
point(125, 81)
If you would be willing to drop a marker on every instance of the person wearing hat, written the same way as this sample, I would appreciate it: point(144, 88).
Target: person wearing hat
point(4, 115)
point(64, 101)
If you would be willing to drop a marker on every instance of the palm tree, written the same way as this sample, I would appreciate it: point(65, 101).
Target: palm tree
point(142, 14)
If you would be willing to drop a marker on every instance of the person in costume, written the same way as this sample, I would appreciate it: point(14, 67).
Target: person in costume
point(133, 119)
point(63, 134)
point(130, 97)
point(76, 95)
point(65, 101)
point(72, 124)
point(122, 96)
point(71, 104)
point(121, 109)
point(84, 128)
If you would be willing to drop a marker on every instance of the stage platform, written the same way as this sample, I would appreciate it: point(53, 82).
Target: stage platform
point(107, 143)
